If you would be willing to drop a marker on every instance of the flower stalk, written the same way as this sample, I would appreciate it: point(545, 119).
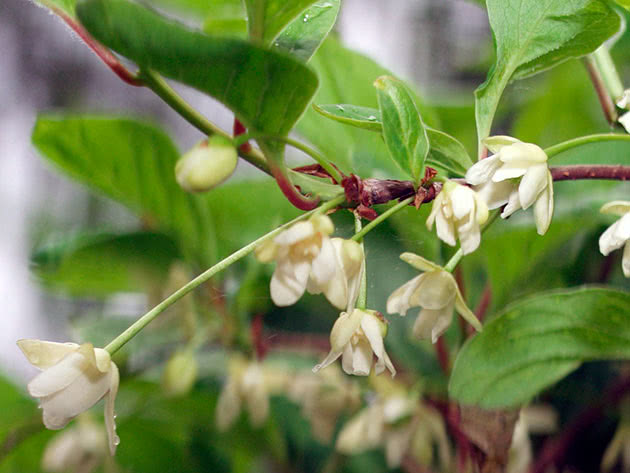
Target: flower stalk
point(143, 321)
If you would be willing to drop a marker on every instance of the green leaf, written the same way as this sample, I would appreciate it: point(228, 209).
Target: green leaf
point(268, 17)
point(60, 7)
point(132, 162)
point(134, 262)
point(445, 152)
point(347, 77)
point(354, 115)
point(534, 35)
point(403, 129)
point(539, 340)
point(268, 91)
point(303, 36)
point(624, 3)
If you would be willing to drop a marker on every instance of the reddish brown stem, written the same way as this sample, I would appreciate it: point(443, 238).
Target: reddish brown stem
point(261, 346)
point(484, 302)
point(290, 192)
point(239, 129)
point(101, 51)
point(555, 449)
point(608, 107)
point(441, 351)
point(572, 173)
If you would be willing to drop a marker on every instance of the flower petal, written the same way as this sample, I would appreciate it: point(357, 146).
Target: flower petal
point(527, 154)
point(298, 232)
point(58, 376)
point(616, 207)
point(44, 354)
point(482, 170)
point(445, 229)
point(326, 263)
point(423, 325)
point(344, 328)
point(514, 204)
point(533, 183)
point(228, 405)
point(510, 171)
point(399, 300)
point(372, 330)
point(624, 120)
point(465, 312)
point(288, 282)
point(330, 358)
point(418, 262)
point(498, 142)
point(495, 194)
point(435, 291)
point(543, 209)
point(625, 261)
point(110, 418)
point(362, 358)
point(462, 201)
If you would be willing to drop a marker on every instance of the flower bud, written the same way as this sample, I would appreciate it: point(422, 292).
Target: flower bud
point(206, 165)
point(180, 373)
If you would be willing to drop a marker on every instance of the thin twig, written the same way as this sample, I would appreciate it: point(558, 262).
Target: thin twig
point(608, 107)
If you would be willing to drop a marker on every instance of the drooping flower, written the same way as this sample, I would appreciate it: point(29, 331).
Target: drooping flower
point(457, 212)
point(624, 102)
point(80, 448)
point(356, 337)
point(516, 174)
point(342, 289)
point(436, 291)
point(323, 396)
point(302, 252)
point(246, 388)
point(618, 234)
point(73, 379)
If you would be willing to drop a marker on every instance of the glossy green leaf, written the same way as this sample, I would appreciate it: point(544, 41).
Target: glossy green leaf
point(267, 18)
point(131, 162)
point(534, 35)
point(354, 115)
point(99, 264)
point(445, 152)
point(624, 3)
point(403, 129)
point(346, 77)
point(539, 340)
point(268, 91)
point(60, 7)
point(303, 36)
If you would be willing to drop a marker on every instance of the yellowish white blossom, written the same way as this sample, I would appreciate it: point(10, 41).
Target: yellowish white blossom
point(458, 212)
point(307, 259)
point(73, 379)
point(357, 337)
point(436, 292)
point(618, 234)
point(245, 388)
point(516, 174)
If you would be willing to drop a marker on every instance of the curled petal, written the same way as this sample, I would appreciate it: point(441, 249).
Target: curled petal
point(372, 330)
point(288, 282)
point(498, 142)
point(432, 323)
point(110, 418)
point(624, 120)
point(616, 207)
point(615, 236)
point(482, 171)
point(399, 301)
point(526, 154)
point(418, 262)
point(463, 310)
point(43, 354)
point(345, 326)
point(445, 229)
point(533, 183)
point(514, 204)
point(543, 209)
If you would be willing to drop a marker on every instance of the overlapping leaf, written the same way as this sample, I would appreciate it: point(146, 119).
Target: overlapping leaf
point(539, 340)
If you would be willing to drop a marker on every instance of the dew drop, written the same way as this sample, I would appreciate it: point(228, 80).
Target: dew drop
point(371, 118)
point(116, 440)
point(340, 107)
point(305, 18)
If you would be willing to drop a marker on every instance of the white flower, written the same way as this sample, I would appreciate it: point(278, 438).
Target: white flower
point(245, 384)
point(309, 260)
point(457, 212)
point(73, 379)
point(363, 432)
point(79, 449)
point(342, 289)
point(517, 175)
point(618, 234)
point(624, 102)
point(436, 291)
point(357, 337)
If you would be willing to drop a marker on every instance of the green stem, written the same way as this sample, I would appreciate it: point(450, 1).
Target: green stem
point(319, 158)
point(583, 140)
point(609, 72)
point(399, 206)
point(459, 254)
point(143, 321)
point(165, 92)
point(362, 298)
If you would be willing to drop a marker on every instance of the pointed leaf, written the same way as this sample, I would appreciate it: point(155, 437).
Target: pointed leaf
point(268, 91)
point(305, 34)
point(445, 153)
point(268, 17)
point(534, 35)
point(538, 341)
point(403, 129)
